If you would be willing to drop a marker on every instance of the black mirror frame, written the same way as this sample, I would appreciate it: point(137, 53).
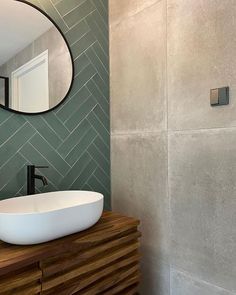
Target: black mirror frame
point(72, 62)
point(6, 90)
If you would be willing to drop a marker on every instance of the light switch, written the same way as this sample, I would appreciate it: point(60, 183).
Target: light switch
point(219, 96)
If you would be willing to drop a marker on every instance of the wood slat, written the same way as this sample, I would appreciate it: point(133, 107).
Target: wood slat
point(15, 257)
point(112, 279)
point(101, 260)
point(110, 257)
point(53, 266)
point(30, 290)
point(124, 286)
point(90, 278)
point(20, 279)
point(132, 290)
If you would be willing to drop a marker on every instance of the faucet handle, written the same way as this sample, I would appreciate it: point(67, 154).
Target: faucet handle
point(39, 167)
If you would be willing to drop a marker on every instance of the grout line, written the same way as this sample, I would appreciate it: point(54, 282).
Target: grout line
point(108, 131)
point(169, 214)
point(13, 134)
point(47, 160)
point(107, 55)
point(81, 37)
point(8, 118)
point(84, 18)
point(201, 130)
point(54, 6)
point(82, 171)
point(75, 7)
point(50, 127)
point(104, 66)
point(104, 22)
point(100, 182)
point(138, 133)
point(17, 152)
point(84, 52)
point(116, 24)
point(202, 282)
point(97, 72)
point(10, 179)
point(79, 142)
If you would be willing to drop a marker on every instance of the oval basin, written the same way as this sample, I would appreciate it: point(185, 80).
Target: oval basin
point(44, 217)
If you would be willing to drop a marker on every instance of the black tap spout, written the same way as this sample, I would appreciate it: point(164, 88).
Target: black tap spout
point(31, 176)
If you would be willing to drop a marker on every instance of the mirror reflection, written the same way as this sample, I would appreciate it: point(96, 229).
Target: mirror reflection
point(35, 62)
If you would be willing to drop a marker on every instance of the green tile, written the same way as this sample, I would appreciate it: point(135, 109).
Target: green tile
point(81, 114)
point(15, 142)
point(47, 133)
point(56, 124)
point(49, 153)
point(98, 96)
point(73, 138)
point(103, 147)
point(99, 158)
point(77, 32)
point(10, 168)
point(10, 126)
point(97, 27)
point(95, 184)
point(77, 14)
point(73, 174)
point(49, 8)
point(102, 116)
point(102, 11)
point(12, 186)
point(103, 178)
point(104, 88)
point(83, 176)
point(81, 63)
point(83, 78)
point(99, 127)
point(66, 6)
point(83, 44)
point(73, 104)
point(35, 158)
point(81, 146)
point(4, 115)
point(98, 65)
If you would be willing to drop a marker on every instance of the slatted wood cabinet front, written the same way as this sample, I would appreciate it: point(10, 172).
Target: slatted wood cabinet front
point(101, 260)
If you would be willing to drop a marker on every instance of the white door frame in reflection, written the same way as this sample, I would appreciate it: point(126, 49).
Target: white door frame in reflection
point(30, 82)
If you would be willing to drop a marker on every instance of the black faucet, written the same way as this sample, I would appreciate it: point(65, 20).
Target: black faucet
point(31, 176)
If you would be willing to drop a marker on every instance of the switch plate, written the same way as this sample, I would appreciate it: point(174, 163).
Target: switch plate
point(219, 96)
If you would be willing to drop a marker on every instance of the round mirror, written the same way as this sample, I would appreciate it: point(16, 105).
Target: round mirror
point(36, 68)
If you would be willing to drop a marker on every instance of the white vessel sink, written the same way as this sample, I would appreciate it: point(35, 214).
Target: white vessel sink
point(44, 217)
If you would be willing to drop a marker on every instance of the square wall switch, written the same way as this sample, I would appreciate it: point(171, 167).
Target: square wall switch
point(219, 96)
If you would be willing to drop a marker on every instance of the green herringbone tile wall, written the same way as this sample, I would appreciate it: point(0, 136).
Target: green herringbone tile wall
point(73, 140)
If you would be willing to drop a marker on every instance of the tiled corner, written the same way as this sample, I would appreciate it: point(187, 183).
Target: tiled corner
point(155, 273)
point(138, 76)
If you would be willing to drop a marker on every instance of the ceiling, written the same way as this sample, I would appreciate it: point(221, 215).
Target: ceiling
point(20, 25)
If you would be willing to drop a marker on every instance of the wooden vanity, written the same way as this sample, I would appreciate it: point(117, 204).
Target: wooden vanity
point(101, 260)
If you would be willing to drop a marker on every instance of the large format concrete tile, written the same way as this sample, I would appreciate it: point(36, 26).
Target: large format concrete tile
point(202, 188)
point(120, 10)
point(182, 284)
point(138, 71)
point(201, 56)
point(139, 188)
